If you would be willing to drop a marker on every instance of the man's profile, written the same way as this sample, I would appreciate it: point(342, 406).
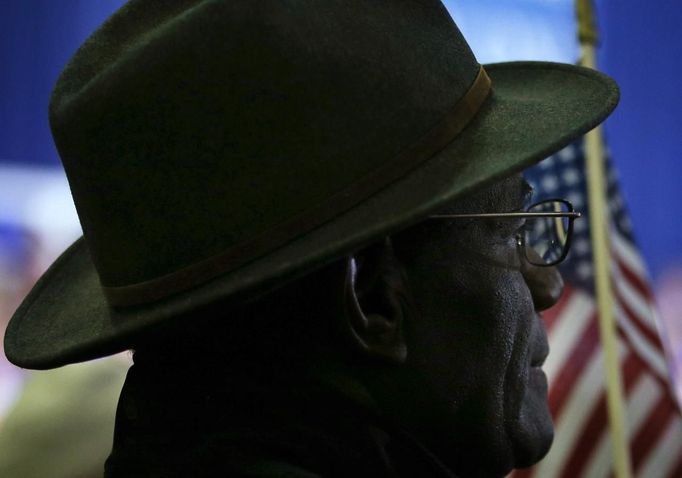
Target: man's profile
point(306, 218)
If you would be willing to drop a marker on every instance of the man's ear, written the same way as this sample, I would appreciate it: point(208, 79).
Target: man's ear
point(374, 299)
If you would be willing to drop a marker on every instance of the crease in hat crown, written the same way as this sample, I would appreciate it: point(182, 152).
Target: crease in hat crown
point(197, 147)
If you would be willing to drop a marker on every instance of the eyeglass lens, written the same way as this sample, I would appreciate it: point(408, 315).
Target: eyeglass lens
point(546, 236)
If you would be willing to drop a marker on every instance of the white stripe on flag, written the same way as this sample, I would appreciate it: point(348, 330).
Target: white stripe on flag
point(572, 321)
point(666, 453)
point(571, 422)
point(646, 351)
point(628, 253)
point(599, 464)
point(638, 304)
point(640, 402)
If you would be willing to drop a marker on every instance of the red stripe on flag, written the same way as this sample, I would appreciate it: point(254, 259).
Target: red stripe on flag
point(633, 367)
point(663, 381)
point(573, 367)
point(650, 432)
point(643, 328)
point(597, 421)
point(633, 278)
point(550, 316)
point(676, 470)
point(589, 436)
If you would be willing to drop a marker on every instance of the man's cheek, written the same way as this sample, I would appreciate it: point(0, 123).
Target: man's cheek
point(513, 315)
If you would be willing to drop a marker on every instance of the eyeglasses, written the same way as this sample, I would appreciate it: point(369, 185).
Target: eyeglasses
point(545, 237)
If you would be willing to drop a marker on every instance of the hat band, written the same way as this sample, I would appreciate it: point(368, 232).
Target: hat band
point(236, 256)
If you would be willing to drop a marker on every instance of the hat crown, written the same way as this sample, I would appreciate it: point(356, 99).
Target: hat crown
point(188, 129)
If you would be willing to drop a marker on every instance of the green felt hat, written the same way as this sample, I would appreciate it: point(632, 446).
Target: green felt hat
point(219, 148)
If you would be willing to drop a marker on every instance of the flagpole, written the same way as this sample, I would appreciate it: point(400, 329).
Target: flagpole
point(596, 184)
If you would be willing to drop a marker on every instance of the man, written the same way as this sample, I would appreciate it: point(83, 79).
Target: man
point(301, 215)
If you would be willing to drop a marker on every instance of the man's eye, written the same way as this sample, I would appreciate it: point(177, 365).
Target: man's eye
point(505, 239)
point(514, 228)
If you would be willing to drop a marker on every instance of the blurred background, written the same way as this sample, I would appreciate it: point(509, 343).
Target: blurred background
point(640, 47)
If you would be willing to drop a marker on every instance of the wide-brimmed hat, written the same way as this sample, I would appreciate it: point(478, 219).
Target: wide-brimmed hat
point(216, 149)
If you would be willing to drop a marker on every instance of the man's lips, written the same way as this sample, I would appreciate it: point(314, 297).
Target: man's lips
point(538, 359)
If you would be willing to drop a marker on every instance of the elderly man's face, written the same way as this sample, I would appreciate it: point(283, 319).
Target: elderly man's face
point(474, 336)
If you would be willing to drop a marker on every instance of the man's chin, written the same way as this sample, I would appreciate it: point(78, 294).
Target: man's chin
point(495, 456)
point(531, 452)
point(534, 431)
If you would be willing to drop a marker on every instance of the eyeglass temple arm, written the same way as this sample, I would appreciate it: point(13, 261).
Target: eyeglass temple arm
point(571, 214)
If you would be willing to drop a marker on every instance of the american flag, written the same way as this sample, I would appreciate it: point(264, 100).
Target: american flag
point(575, 366)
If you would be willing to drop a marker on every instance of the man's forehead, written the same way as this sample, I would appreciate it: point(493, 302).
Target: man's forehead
point(508, 194)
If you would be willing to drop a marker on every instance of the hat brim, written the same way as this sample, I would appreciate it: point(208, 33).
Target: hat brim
point(535, 109)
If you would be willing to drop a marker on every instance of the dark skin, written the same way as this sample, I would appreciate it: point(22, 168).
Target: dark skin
point(448, 312)
point(437, 329)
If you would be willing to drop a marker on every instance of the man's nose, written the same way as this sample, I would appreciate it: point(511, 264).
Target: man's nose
point(545, 284)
